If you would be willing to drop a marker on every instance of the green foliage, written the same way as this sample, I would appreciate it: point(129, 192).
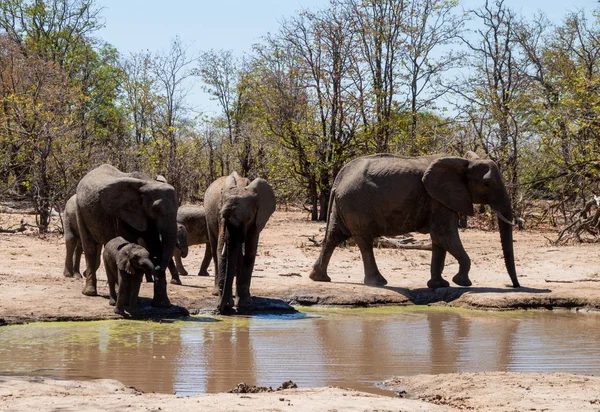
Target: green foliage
point(351, 79)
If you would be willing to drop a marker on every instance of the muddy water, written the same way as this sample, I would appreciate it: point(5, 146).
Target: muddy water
point(350, 348)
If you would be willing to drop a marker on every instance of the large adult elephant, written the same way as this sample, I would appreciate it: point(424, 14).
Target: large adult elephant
point(236, 213)
point(387, 195)
point(111, 203)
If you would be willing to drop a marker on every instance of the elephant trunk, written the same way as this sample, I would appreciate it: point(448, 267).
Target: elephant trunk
point(232, 248)
point(168, 243)
point(506, 237)
point(147, 266)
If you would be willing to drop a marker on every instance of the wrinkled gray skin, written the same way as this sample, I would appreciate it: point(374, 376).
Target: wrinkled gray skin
point(193, 220)
point(125, 264)
point(181, 248)
point(72, 241)
point(236, 212)
point(111, 203)
point(387, 195)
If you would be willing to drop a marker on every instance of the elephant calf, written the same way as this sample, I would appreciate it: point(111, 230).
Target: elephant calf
point(125, 264)
point(72, 239)
point(193, 220)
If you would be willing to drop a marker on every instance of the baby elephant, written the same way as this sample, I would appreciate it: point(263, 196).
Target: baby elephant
point(125, 264)
point(193, 220)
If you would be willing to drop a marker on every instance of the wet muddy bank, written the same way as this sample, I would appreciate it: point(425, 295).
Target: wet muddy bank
point(341, 296)
point(494, 392)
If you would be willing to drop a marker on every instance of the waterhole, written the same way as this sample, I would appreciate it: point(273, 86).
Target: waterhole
point(348, 348)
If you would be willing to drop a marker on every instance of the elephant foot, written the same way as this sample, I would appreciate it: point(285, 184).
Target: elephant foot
point(462, 280)
point(376, 280)
point(437, 283)
point(215, 291)
point(245, 303)
point(120, 311)
point(78, 275)
point(183, 273)
point(203, 273)
point(112, 302)
point(67, 274)
point(175, 281)
point(228, 307)
point(162, 302)
point(89, 290)
point(319, 276)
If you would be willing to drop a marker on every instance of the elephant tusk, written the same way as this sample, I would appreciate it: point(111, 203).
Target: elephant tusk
point(223, 251)
point(502, 218)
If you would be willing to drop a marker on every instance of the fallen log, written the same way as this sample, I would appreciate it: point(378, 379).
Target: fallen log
point(383, 243)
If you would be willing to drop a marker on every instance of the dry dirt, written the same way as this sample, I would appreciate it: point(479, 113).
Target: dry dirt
point(34, 289)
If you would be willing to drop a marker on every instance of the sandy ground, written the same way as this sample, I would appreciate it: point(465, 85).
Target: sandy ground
point(33, 289)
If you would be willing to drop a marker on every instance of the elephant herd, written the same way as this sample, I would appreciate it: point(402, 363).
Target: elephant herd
point(143, 230)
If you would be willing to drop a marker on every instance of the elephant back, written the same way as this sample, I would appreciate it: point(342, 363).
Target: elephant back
point(194, 219)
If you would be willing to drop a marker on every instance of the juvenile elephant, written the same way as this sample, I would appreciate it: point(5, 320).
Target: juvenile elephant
point(111, 203)
point(388, 195)
point(72, 240)
point(193, 220)
point(125, 264)
point(236, 212)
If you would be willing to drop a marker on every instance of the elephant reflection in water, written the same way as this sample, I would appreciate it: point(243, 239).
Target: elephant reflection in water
point(451, 338)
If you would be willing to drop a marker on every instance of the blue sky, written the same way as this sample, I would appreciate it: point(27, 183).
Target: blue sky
point(135, 25)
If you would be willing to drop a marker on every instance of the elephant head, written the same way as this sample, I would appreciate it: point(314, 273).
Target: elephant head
point(457, 183)
point(244, 212)
point(182, 240)
point(149, 209)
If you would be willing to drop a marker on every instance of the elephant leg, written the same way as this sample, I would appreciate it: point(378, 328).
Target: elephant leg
point(451, 242)
point(174, 273)
point(77, 259)
point(179, 264)
point(134, 290)
point(372, 275)
point(216, 246)
point(92, 258)
point(333, 237)
point(112, 290)
point(92, 255)
point(244, 277)
point(438, 257)
point(70, 243)
point(122, 296)
point(456, 249)
point(205, 261)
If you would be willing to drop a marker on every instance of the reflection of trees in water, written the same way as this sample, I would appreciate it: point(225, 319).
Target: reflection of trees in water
point(140, 355)
point(229, 357)
point(345, 350)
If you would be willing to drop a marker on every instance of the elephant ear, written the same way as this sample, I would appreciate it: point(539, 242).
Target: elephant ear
point(124, 258)
point(122, 199)
point(266, 201)
point(471, 155)
point(446, 181)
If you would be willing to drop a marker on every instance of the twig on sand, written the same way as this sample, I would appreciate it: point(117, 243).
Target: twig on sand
point(384, 242)
point(571, 281)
